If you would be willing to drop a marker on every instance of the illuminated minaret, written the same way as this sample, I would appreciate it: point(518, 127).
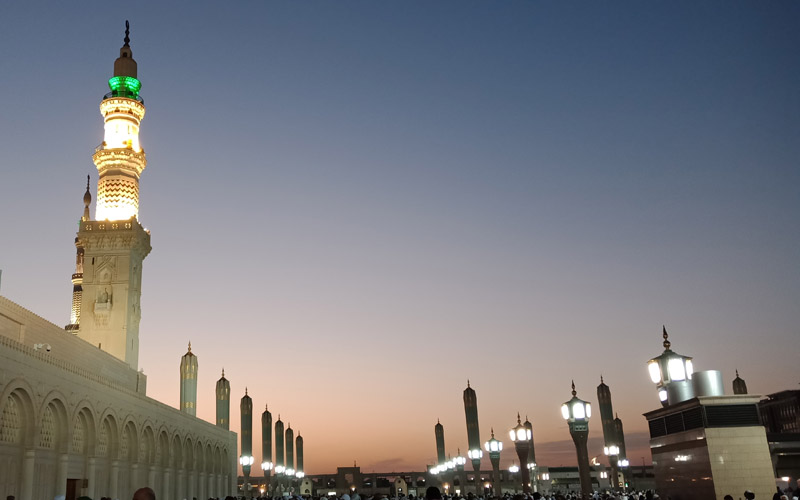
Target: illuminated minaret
point(473, 432)
point(115, 244)
point(279, 467)
point(189, 382)
point(438, 431)
point(289, 448)
point(739, 386)
point(266, 442)
point(299, 451)
point(246, 413)
point(223, 402)
point(77, 276)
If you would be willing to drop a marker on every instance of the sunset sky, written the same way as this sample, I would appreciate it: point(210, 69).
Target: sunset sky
point(357, 206)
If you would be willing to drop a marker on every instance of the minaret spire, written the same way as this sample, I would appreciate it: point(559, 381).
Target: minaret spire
point(127, 34)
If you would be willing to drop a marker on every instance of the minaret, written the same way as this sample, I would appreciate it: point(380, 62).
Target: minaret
point(115, 243)
point(246, 412)
point(606, 414)
point(438, 430)
point(620, 438)
point(473, 432)
point(223, 402)
point(266, 440)
point(299, 451)
point(609, 431)
point(289, 447)
point(739, 387)
point(279, 446)
point(77, 276)
point(532, 450)
point(189, 382)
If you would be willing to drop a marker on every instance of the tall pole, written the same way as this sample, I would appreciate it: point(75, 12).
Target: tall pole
point(609, 431)
point(473, 433)
point(246, 410)
point(266, 444)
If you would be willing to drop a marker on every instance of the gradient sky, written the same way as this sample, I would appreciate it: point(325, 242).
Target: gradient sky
point(357, 206)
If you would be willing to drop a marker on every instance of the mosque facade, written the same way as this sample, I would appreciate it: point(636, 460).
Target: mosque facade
point(74, 415)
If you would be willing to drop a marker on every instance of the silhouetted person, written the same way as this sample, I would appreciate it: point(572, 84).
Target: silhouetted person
point(727, 497)
point(749, 495)
point(433, 493)
point(144, 494)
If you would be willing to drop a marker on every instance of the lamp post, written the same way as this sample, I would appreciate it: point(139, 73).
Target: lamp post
point(494, 447)
point(577, 413)
point(246, 461)
point(512, 470)
point(612, 452)
point(671, 369)
point(266, 466)
point(521, 436)
point(462, 476)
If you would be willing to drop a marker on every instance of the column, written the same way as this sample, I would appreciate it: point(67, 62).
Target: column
point(211, 488)
point(61, 474)
point(166, 491)
point(191, 486)
point(91, 474)
point(114, 479)
point(134, 478)
point(201, 486)
point(180, 489)
point(28, 463)
point(151, 476)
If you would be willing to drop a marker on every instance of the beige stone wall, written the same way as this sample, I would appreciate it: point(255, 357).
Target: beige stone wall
point(77, 412)
point(740, 461)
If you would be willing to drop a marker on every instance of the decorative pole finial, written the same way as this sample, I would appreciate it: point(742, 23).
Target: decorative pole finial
point(518, 419)
point(245, 391)
point(190, 346)
point(666, 338)
point(601, 378)
point(467, 383)
point(87, 182)
point(492, 432)
point(223, 373)
point(127, 33)
point(737, 373)
point(574, 392)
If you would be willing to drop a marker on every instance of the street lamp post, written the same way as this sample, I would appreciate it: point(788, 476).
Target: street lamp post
point(494, 447)
point(521, 437)
point(612, 452)
point(577, 413)
point(462, 476)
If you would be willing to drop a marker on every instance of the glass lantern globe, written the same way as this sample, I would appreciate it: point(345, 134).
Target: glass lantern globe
point(669, 366)
point(493, 446)
point(460, 461)
point(576, 409)
point(475, 454)
point(611, 450)
point(513, 469)
point(520, 432)
point(279, 469)
point(265, 466)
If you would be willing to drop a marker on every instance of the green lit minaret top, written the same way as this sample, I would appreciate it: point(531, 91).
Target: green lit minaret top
point(124, 82)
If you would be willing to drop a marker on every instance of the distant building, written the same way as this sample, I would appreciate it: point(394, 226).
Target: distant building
point(780, 413)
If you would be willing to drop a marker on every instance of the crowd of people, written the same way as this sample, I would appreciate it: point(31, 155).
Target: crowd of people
point(433, 493)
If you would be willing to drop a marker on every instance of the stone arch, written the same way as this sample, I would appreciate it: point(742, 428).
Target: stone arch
point(108, 436)
point(128, 443)
point(188, 453)
point(209, 458)
point(163, 448)
point(217, 461)
point(17, 414)
point(200, 463)
point(53, 426)
point(176, 452)
point(83, 432)
point(147, 448)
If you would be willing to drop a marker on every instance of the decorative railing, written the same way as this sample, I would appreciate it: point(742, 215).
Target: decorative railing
point(126, 95)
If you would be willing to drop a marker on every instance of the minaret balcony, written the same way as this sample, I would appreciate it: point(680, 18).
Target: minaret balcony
point(123, 93)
